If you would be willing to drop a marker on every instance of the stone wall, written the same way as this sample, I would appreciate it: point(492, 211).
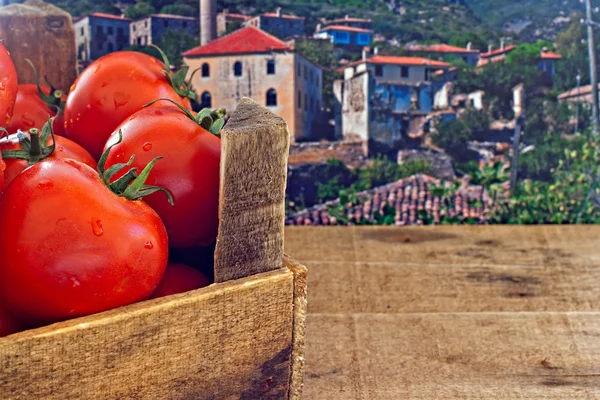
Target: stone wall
point(352, 153)
point(441, 164)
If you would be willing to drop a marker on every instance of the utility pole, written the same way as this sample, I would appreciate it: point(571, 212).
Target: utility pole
point(515, 152)
point(577, 103)
point(592, 54)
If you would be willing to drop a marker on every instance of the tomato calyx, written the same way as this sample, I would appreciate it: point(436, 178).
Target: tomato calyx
point(210, 120)
point(33, 148)
point(131, 185)
point(54, 99)
point(177, 80)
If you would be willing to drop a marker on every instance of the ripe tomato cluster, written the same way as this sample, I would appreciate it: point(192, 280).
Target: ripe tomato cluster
point(99, 186)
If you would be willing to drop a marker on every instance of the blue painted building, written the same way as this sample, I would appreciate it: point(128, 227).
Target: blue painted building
point(98, 34)
point(149, 30)
point(346, 35)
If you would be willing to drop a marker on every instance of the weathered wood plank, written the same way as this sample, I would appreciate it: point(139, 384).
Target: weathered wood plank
point(453, 356)
point(44, 34)
point(347, 287)
point(298, 334)
point(252, 192)
point(229, 340)
point(465, 245)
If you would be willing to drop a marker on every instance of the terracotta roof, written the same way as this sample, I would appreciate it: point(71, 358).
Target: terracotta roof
point(236, 16)
point(108, 16)
point(246, 40)
point(498, 52)
point(549, 55)
point(486, 61)
point(286, 16)
point(345, 28)
point(173, 16)
point(581, 91)
point(348, 19)
point(408, 197)
point(440, 72)
point(441, 48)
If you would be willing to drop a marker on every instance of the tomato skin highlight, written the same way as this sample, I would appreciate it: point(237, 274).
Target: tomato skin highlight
point(8, 86)
point(31, 111)
point(65, 148)
point(179, 278)
point(190, 170)
point(108, 91)
point(70, 247)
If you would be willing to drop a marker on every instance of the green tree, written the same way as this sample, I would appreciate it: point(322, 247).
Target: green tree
point(321, 53)
point(179, 9)
point(139, 10)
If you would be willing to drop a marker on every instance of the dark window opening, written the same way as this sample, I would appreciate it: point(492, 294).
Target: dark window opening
point(205, 70)
point(206, 100)
point(271, 97)
point(237, 68)
point(110, 30)
point(404, 72)
point(271, 67)
point(379, 70)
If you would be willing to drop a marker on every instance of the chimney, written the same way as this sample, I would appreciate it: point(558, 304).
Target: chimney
point(490, 48)
point(346, 16)
point(365, 53)
point(544, 49)
point(278, 11)
point(376, 50)
point(501, 44)
point(518, 97)
point(318, 27)
point(208, 21)
point(469, 46)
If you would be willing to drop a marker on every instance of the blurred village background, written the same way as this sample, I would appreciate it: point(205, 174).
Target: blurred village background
point(400, 112)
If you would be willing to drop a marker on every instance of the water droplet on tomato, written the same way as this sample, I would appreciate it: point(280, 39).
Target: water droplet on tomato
point(60, 148)
point(2, 165)
point(71, 121)
point(89, 106)
point(147, 146)
point(3, 85)
point(27, 121)
point(97, 227)
point(149, 245)
point(120, 99)
point(73, 87)
point(97, 68)
point(73, 163)
point(75, 282)
point(65, 124)
point(45, 184)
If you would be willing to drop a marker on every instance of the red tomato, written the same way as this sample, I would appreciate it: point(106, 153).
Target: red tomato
point(70, 246)
point(65, 148)
point(8, 86)
point(190, 170)
point(8, 323)
point(111, 89)
point(31, 111)
point(179, 278)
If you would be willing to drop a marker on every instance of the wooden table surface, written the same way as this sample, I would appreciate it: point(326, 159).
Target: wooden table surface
point(499, 312)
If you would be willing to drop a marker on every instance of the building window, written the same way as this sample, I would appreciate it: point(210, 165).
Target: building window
point(146, 23)
point(404, 72)
point(271, 97)
point(427, 71)
point(110, 47)
point(312, 104)
point(139, 41)
point(110, 30)
point(99, 30)
point(299, 99)
point(205, 70)
point(379, 70)
point(120, 32)
point(134, 26)
point(363, 38)
point(81, 31)
point(270, 67)
point(206, 100)
point(146, 40)
point(237, 68)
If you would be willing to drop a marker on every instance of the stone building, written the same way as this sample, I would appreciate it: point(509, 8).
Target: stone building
point(227, 21)
point(385, 100)
point(98, 34)
point(252, 63)
point(281, 25)
point(345, 36)
point(150, 29)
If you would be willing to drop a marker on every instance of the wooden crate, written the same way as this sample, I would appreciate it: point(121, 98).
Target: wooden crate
point(240, 338)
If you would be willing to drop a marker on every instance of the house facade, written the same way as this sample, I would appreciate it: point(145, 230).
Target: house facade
point(278, 24)
point(149, 30)
point(98, 34)
point(348, 21)
point(252, 63)
point(445, 52)
point(228, 22)
point(385, 100)
point(546, 63)
point(345, 36)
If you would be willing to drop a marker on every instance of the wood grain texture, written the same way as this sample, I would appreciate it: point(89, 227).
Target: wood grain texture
point(298, 334)
point(493, 312)
point(254, 152)
point(44, 34)
point(226, 341)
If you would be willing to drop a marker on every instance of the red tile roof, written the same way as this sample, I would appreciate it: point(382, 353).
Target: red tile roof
point(440, 48)
point(173, 16)
point(498, 52)
point(575, 92)
point(549, 55)
point(348, 19)
point(409, 197)
point(242, 41)
point(287, 16)
point(109, 16)
point(237, 16)
point(345, 28)
point(411, 61)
